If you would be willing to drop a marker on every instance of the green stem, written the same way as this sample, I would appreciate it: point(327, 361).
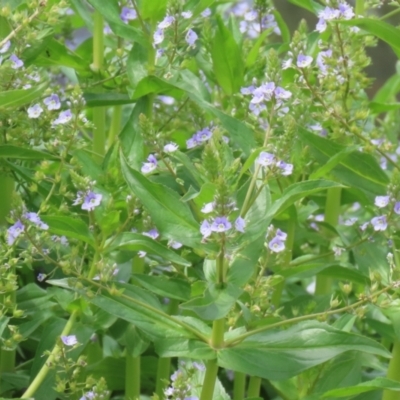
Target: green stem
point(163, 374)
point(99, 117)
point(390, 14)
point(210, 377)
point(393, 372)
point(254, 387)
point(239, 386)
point(360, 7)
point(332, 212)
point(132, 377)
point(98, 41)
point(7, 190)
point(276, 296)
point(217, 342)
point(115, 124)
point(39, 378)
point(164, 363)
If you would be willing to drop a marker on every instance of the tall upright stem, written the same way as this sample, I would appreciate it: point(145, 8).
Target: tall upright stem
point(99, 113)
point(132, 377)
point(254, 387)
point(39, 378)
point(115, 124)
point(332, 212)
point(360, 7)
point(393, 372)
point(239, 386)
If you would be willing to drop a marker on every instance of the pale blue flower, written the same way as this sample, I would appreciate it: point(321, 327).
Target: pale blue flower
point(286, 168)
point(205, 229)
point(281, 235)
point(91, 201)
point(240, 224)
point(70, 340)
point(152, 233)
point(16, 62)
point(379, 223)
point(5, 47)
point(166, 22)
point(265, 159)
point(187, 14)
point(14, 231)
point(150, 165)
point(171, 147)
point(304, 61)
point(35, 219)
point(191, 37)
point(41, 277)
point(207, 208)
point(382, 201)
point(128, 14)
point(34, 111)
point(63, 118)
point(276, 245)
point(397, 207)
point(206, 13)
point(52, 102)
point(158, 36)
point(220, 224)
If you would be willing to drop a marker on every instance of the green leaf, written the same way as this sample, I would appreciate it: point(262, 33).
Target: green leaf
point(131, 139)
point(21, 153)
point(136, 67)
point(172, 217)
point(389, 90)
point(374, 384)
point(332, 162)
point(137, 242)
point(106, 99)
point(69, 227)
point(285, 32)
point(309, 5)
point(381, 29)
point(358, 169)
point(164, 286)
point(142, 309)
point(153, 10)
point(153, 84)
point(281, 354)
point(216, 302)
point(298, 191)
point(254, 52)
point(20, 97)
point(188, 348)
point(227, 59)
point(111, 13)
point(377, 107)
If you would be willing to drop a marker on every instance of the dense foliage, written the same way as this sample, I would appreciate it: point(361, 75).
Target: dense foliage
point(197, 203)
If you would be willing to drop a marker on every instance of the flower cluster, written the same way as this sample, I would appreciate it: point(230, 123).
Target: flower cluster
point(89, 200)
point(219, 225)
point(159, 34)
point(18, 228)
point(277, 244)
point(344, 11)
point(263, 94)
point(253, 23)
point(269, 160)
point(199, 138)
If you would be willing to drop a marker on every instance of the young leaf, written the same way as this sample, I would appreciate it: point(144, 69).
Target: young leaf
point(23, 153)
point(20, 97)
point(171, 216)
point(281, 354)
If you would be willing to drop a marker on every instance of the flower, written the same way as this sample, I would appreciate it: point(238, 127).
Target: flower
point(206, 13)
point(52, 102)
point(346, 11)
point(207, 208)
point(265, 159)
point(35, 111)
point(70, 340)
point(203, 135)
point(142, 254)
point(16, 62)
point(158, 36)
point(187, 14)
point(379, 223)
point(5, 47)
point(175, 245)
point(240, 224)
point(166, 22)
point(282, 94)
point(191, 37)
point(281, 235)
point(149, 166)
point(152, 233)
point(205, 229)
point(88, 396)
point(128, 14)
point(287, 169)
point(171, 147)
point(382, 201)
point(63, 118)
point(91, 201)
point(396, 208)
point(321, 25)
point(14, 231)
point(304, 61)
point(34, 218)
point(328, 14)
point(41, 277)
point(198, 366)
point(221, 224)
point(276, 245)
point(263, 93)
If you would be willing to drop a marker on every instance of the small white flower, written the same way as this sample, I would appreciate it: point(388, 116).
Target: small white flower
point(35, 111)
point(382, 201)
point(171, 147)
point(187, 14)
